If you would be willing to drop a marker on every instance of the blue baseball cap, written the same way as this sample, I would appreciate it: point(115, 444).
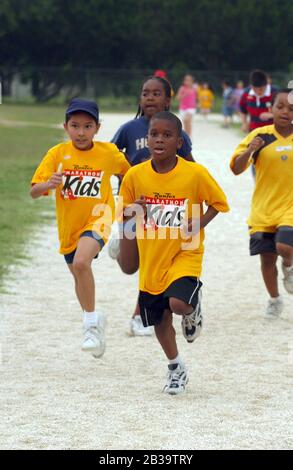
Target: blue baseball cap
point(78, 104)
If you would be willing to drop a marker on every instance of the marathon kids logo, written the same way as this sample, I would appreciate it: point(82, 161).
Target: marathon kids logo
point(164, 211)
point(81, 182)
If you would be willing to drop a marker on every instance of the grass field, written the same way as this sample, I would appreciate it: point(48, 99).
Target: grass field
point(21, 149)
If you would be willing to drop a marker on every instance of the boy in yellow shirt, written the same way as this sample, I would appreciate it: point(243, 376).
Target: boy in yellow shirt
point(80, 172)
point(160, 197)
point(270, 150)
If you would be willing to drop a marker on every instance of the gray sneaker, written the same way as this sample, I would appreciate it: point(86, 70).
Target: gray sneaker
point(94, 338)
point(192, 323)
point(176, 380)
point(288, 278)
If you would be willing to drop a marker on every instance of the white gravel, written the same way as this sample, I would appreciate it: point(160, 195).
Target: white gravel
point(240, 394)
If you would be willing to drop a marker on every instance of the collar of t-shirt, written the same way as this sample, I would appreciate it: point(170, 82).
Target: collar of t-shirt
point(268, 92)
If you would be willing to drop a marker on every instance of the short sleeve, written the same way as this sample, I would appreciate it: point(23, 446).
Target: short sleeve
point(120, 163)
point(186, 148)
point(120, 138)
point(211, 193)
point(46, 168)
point(242, 147)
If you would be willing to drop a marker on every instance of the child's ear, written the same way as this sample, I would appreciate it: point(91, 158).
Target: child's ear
point(65, 125)
point(98, 126)
point(180, 143)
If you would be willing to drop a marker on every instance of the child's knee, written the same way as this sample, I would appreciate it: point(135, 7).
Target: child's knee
point(80, 265)
point(127, 266)
point(284, 250)
point(268, 260)
point(178, 306)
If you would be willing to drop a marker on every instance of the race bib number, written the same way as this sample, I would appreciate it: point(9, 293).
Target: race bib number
point(81, 183)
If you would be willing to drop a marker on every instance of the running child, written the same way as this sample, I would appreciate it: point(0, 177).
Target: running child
point(80, 171)
point(205, 99)
point(132, 139)
point(270, 150)
point(228, 103)
point(187, 95)
point(162, 194)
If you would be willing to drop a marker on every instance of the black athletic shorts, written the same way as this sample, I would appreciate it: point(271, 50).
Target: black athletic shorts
point(265, 242)
point(152, 306)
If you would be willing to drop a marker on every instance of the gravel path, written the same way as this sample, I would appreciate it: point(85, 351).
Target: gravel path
point(240, 394)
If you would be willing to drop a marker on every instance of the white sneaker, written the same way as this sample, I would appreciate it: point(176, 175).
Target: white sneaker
point(192, 323)
point(288, 278)
point(274, 308)
point(114, 243)
point(94, 338)
point(176, 380)
point(137, 328)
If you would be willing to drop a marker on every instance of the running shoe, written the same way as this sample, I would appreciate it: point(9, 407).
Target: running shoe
point(94, 338)
point(274, 308)
point(176, 380)
point(192, 323)
point(288, 278)
point(137, 328)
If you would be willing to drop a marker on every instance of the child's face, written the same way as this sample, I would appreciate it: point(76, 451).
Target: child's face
point(81, 129)
point(188, 81)
point(259, 90)
point(163, 139)
point(283, 111)
point(153, 98)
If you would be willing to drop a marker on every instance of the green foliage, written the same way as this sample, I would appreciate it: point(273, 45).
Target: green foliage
point(202, 34)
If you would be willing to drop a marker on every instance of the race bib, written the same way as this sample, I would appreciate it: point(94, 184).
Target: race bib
point(167, 213)
point(81, 183)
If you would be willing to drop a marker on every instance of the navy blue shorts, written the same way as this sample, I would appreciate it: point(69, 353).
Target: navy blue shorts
point(265, 242)
point(152, 307)
point(89, 233)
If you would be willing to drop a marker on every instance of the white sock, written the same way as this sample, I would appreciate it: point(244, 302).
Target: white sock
point(177, 360)
point(275, 299)
point(90, 319)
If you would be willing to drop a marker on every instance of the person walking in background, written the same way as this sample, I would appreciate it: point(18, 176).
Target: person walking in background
point(205, 99)
point(187, 97)
point(228, 103)
point(238, 92)
point(256, 102)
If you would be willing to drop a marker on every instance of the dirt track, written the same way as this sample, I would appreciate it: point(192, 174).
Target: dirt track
point(240, 394)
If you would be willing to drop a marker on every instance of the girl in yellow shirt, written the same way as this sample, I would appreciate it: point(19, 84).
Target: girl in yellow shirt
point(270, 150)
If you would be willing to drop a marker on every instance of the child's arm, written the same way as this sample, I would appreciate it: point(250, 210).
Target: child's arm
point(240, 162)
point(39, 189)
point(208, 216)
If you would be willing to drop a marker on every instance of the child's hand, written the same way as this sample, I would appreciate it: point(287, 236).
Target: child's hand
point(56, 178)
point(245, 127)
point(265, 116)
point(256, 144)
point(132, 209)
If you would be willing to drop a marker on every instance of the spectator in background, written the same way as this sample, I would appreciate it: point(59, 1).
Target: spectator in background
point(256, 102)
point(228, 103)
point(187, 97)
point(205, 98)
point(238, 92)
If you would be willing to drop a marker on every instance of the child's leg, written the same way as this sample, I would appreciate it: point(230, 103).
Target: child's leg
point(270, 272)
point(166, 335)
point(187, 124)
point(87, 249)
point(286, 253)
point(75, 282)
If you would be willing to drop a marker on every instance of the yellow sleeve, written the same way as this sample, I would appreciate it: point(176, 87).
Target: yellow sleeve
point(121, 165)
point(242, 147)
point(46, 168)
point(211, 193)
point(127, 191)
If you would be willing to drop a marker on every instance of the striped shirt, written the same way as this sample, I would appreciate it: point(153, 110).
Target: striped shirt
point(254, 106)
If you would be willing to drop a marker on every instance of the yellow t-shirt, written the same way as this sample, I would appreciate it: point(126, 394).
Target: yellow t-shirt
point(205, 98)
point(272, 200)
point(85, 188)
point(162, 245)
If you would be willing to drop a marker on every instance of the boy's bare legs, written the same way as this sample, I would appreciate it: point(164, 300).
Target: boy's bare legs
point(166, 335)
point(94, 324)
point(270, 273)
point(270, 276)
